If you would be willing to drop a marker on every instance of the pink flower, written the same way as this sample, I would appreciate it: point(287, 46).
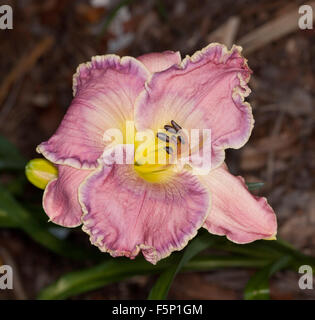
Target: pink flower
point(127, 208)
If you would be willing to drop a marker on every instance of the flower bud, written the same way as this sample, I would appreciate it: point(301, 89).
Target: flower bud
point(40, 171)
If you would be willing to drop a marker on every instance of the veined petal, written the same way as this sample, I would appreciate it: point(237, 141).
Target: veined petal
point(60, 200)
point(124, 214)
point(206, 91)
point(105, 90)
point(235, 212)
point(159, 61)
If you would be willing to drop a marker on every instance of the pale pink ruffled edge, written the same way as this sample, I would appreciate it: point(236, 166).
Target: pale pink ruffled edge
point(47, 189)
point(240, 92)
point(153, 256)
point(97, 62)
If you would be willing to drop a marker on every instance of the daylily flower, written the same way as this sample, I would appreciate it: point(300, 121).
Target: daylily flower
point(128, 208)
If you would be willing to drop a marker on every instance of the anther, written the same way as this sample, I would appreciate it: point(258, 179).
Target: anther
point(168, 149)
point(174, 139)
point(162, 136)
point(181, 139)
point(169, 128)
point(176, 126)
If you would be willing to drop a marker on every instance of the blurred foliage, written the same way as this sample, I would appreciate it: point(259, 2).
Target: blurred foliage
point(257, 287)
point(163, 284)
point(13, 215)
point(254, 185)
point(10, 157)
point(118, 269)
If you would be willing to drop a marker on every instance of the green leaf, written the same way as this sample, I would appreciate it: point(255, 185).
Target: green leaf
point(206, 263)
point(259, 248)
point(273, 250)
point(5, 221)
point(113, 270)
point(16, 185)
point(12, 214)
point(254, 185)
point(163, 284)
point(257, 287)
point(10, 157)
point(298, 258)
point(118, 269)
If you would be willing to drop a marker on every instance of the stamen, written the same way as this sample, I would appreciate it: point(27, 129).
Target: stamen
point(168, 149)
point(176, 126)
point(169, 128)
point(174, 139)
point(181, 139)
point(163, 136)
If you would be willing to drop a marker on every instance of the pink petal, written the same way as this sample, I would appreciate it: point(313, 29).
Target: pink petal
point(60, 200)
point(125, 214)
point(105, 91)
point(159, 61)
point(206, 91)
point(235, 212)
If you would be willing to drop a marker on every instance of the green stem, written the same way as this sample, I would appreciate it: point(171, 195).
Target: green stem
point(164, 282)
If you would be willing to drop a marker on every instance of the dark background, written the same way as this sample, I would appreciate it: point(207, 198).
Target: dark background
point(51, 38)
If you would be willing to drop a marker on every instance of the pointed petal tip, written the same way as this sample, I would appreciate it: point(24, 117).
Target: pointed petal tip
point(274, 237)
point(236, 213)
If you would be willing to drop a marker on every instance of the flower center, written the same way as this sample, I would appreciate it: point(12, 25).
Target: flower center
point(155, 158)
